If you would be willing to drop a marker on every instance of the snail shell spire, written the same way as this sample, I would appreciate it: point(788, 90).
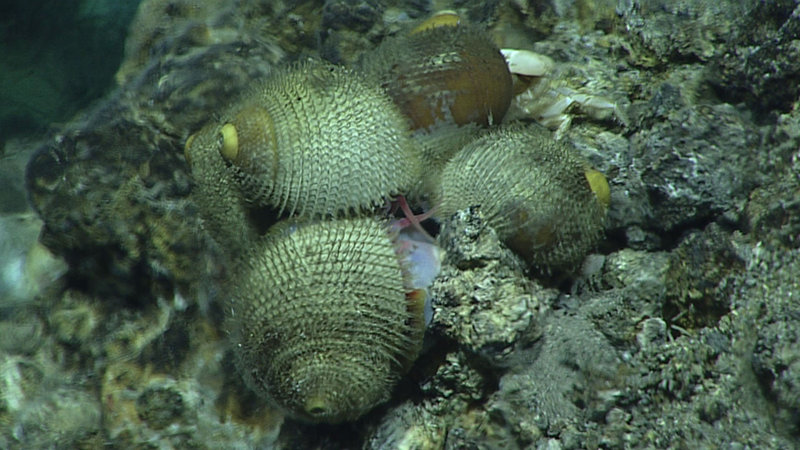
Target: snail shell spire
point(542, 198)
point(317, 140)
point(323, 322)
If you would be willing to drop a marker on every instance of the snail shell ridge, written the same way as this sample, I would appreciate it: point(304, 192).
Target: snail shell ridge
point(540, 196)
point(318, 140)
point(321, 319)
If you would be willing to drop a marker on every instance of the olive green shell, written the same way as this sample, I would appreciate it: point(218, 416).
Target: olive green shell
point(317, 140)
point(532, 190)
point(321, 322)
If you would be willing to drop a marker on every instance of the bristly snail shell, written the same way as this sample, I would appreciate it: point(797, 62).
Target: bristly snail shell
point(542, 198)
point(323, 321)
point(443, 72)
point(317, 140)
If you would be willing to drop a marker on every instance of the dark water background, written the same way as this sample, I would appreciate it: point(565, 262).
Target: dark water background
point(56, 57)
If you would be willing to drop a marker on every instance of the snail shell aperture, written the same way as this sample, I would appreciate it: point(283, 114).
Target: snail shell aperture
point(317, 140)
point(542, 198)
point(324, 323)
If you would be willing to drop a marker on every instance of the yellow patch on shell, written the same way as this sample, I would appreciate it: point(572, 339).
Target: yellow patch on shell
point(186, 153)
point(599, 185)
point(230, 141)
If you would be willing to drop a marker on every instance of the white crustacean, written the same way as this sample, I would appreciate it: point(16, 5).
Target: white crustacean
point(547, 101)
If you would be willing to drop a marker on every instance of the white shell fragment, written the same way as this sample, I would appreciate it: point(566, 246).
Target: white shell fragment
point(526, 62)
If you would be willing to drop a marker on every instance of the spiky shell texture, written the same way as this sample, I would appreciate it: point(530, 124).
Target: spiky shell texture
point(318, 140)
point(532, 189)
point(321, 320)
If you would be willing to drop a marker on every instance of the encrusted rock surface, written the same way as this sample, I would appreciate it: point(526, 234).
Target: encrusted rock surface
point(681, 331)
